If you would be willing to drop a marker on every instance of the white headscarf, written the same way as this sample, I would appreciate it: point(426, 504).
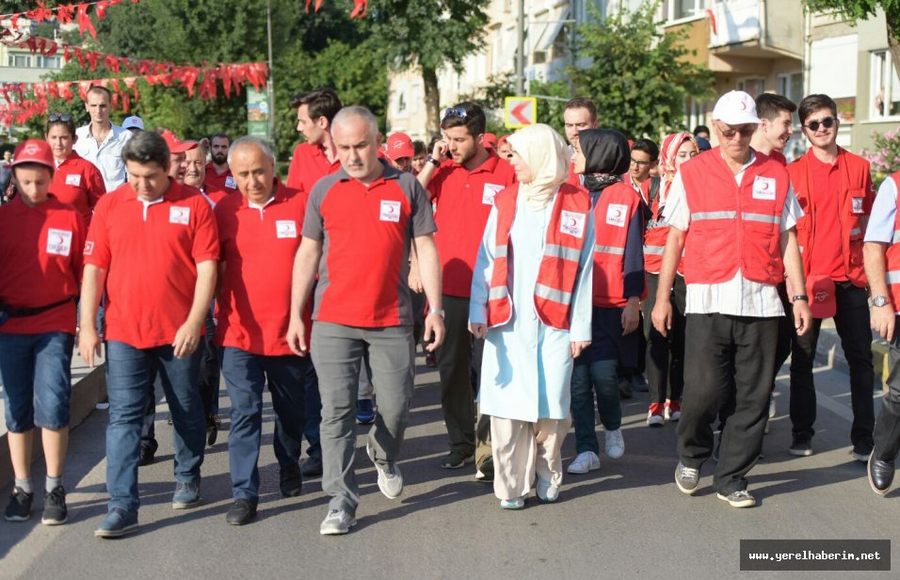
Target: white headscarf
point(546, 154)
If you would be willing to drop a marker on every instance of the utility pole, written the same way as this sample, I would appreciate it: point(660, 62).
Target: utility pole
point(520, 53)
point(270, 83)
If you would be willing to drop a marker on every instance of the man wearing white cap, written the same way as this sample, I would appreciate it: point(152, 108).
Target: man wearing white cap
point(733, 214)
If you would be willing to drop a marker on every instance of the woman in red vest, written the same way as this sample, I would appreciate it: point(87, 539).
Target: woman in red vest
point(665, 355)
point(531, 299)
point(603, 157)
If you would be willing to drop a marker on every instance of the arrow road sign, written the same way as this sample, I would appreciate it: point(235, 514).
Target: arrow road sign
point(520, 112)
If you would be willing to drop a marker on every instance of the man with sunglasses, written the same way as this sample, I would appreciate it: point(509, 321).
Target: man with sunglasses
point(835, 190)
point(732, 213)
point(462, 189)
point(100, 141)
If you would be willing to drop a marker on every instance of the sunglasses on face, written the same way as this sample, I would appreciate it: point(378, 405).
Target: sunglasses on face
point(827, 122)
point(57, 117)
point(745, 131)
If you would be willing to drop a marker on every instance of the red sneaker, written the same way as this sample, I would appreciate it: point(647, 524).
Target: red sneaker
point(673, 411)
point(655, 416)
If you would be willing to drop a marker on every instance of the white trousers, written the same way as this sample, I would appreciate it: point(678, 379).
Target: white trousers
point(522, 450)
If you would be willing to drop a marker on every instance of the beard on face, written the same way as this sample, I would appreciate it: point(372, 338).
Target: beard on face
point(219, 158)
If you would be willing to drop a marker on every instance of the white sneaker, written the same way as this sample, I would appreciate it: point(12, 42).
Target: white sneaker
point(655, 419)
point(584, 462)
point(772, 409)
point(546, 491)
point(615, 444)
point(336, 523)
point(390, 480)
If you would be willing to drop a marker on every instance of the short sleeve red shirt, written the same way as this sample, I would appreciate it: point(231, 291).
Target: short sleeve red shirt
point(40, 264)
point(258, 248)
point(150, 252)
point(365, 234)
point(827, 257)
point(78, 183)
point(463, 200)
point(216, 182)
point(309, 164)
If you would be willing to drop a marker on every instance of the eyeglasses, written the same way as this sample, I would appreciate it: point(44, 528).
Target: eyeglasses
point(59, 117)
point(746, 131)
point(458, 112)
point(827, 122)
point(640, 163)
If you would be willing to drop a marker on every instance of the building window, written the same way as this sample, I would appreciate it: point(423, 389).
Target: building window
point(885, 86)
point(20, 60)
point(791, 86)
point(686, 8)
point(48, 61)
point(753, 87)
point(401, 103)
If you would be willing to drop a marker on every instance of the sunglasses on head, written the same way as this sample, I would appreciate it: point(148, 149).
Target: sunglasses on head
point(458, 112)
point(57, 117)
point(827, 122)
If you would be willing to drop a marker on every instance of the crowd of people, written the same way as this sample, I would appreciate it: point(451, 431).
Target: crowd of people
point(543, 276)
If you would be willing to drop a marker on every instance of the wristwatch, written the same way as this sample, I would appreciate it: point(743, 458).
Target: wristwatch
point(799, 297)
point(879, 301)
point(438, 311)
point(433, 161)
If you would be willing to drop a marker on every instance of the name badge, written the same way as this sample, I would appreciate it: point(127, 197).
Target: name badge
point(572, 223)
point(229, 182)
point(285, 229)
point(857, 204)
point(490, 191)
point(179, 215)
point(59, 242)
point(390, 211)
point(88, 248)
point(617, 214)
point(764, 188)
point(74, 180)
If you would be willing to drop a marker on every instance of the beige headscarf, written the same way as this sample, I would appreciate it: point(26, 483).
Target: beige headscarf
point(546, 154)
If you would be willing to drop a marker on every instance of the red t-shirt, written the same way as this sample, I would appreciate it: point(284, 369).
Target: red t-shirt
point(215, 182)
point(258, 248)
point(40, 253)
point(218, 195)
point(778, 156)
point(308, 165)
point(150, 252)
point(827, 258)
point(78, 183)
point(366, 234)
point(463, 200)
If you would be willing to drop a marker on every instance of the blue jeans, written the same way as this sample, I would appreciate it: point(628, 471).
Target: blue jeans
point(599, 377)
point(129, 390)
point(246, 376)
point(37, 377)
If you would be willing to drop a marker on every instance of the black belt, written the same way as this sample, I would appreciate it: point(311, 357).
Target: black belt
point(34, 310)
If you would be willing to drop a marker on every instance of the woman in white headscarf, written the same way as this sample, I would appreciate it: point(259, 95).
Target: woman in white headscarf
point(531, 297)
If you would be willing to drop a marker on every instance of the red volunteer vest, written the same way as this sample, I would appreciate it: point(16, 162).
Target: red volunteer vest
point(612, 215)
point(733, 227)
point(655, 234)
point(893, 255)
point(853, 211)
point(559, 263)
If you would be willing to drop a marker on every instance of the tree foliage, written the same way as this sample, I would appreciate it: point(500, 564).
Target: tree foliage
point(862, 10)
point(638, 75)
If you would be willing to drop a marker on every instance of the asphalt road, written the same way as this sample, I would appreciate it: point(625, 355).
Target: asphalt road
point(626, 520)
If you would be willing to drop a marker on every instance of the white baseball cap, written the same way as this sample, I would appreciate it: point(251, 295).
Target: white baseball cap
point(735, 108)
point(133, 122)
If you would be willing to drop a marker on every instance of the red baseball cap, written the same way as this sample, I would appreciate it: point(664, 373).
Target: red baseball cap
point(175, 144)
point(34, 151)
point(490, 141)
point(399, 145)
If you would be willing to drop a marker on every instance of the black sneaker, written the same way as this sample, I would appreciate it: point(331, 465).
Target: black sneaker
point(290, 481)
point(242, 512)
point(801, 446)
point(55, 511)
point(312, 467)
point(19, 507)
point(485, 472)
point(457, 459)
point(212, 430)
point(147, 452)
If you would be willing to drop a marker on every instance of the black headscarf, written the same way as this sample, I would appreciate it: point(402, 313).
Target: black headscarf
point(606, 156)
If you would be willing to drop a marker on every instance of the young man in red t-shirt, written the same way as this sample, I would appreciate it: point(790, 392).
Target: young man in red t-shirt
point(76, 181)
point(41, 245)
point(462, 189)
point(153, 247)
point(835, 190)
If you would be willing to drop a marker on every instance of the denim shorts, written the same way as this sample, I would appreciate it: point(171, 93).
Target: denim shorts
point(37, 378)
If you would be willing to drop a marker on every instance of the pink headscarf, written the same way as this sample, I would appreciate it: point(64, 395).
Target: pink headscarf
point(670, 146)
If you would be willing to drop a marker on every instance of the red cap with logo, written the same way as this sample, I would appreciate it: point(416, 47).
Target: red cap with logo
point(175, 144)
point(34, 151)
point(399, 145)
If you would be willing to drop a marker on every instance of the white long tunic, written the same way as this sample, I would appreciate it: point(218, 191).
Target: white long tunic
point(527, 366)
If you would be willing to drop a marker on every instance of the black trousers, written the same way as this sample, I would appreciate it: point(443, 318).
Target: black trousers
point(665, 354)
point(852, 324)
point(887, 427)
point(726, 356)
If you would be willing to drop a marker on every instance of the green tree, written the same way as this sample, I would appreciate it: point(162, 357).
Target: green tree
point(638, 74)
point(428, 34)
point(864, 9)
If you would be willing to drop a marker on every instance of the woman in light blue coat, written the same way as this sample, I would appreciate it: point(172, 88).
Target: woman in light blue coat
point(527, 364)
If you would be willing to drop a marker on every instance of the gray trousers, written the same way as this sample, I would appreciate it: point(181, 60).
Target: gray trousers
point(337, 352)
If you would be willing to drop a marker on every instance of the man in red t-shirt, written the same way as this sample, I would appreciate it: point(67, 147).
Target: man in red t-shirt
point(317, 156)
point(260, 233)
point(41, 249)
point(218, 175)
point(153, 247)
point(76, 181)
point(835, 190)
point(463, 189)
point(370, 214)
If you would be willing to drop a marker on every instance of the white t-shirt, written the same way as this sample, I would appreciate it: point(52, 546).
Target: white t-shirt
point(106, 156)
point(884, 211)
point(738, 296)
